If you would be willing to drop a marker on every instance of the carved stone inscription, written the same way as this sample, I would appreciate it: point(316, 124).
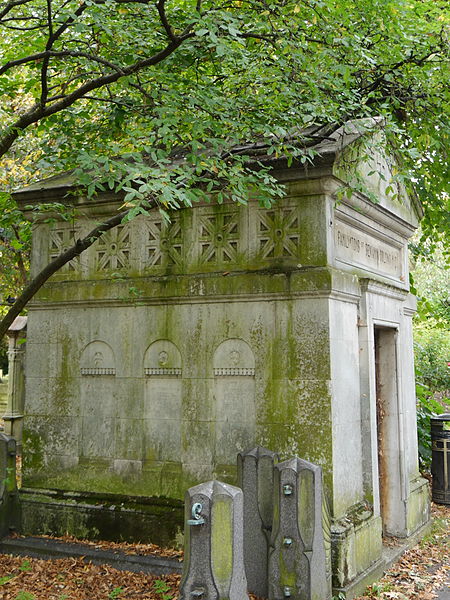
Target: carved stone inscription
point(234, 369)
point(162, 403)
point(359, 248)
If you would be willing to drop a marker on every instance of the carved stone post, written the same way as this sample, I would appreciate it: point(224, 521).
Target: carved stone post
point(9, 501)
point(16, 379)
point(298, 558)
point(214, 557)
point(255, 477)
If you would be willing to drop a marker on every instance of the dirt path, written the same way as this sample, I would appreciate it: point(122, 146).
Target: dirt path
point(422, 573)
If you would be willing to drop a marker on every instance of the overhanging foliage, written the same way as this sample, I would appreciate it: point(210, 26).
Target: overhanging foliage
point(84, 82)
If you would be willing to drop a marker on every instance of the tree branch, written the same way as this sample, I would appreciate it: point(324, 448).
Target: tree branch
point(46, 54)
point(411, 59)
point(44, 69)
point(10, 5)
point(34, 28)
point(38, 112)
point(160, 5)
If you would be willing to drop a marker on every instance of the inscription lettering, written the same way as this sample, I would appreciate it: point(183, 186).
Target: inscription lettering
point(360, 248)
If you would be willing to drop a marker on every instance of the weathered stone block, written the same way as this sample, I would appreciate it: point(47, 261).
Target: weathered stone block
point(9, 500)
point(255, 478)
point(214, 552)
point(298, 555)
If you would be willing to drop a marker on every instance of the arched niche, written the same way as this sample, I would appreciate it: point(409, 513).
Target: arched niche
point(162, 358)
point(97, 401)
point(162, 402)
point(97, 358)
point(234, 358)
point(234, 387)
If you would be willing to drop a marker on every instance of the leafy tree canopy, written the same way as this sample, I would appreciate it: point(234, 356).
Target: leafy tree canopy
point(165, 100)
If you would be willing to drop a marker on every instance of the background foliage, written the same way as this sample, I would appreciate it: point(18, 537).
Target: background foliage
point(432, 344)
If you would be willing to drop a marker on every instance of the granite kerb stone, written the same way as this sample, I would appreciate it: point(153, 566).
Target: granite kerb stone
point(51, 549)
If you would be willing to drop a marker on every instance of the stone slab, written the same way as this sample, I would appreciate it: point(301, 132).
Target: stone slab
point(48, 549)
point(255, 478)
point(101, 516)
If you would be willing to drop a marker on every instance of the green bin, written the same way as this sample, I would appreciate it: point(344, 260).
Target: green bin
point(440, 459)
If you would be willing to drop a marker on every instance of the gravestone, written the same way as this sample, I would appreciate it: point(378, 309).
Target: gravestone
point(213, 567)
point(9, 498)
point(255, 478)
point(163, 400)
point(97, 399)
point(297, 559)
point(234, 389)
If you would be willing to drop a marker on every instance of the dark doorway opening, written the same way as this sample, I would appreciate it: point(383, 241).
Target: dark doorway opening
point(389, 468)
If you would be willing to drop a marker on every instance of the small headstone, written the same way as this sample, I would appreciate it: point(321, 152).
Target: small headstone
point(255, 477)
point(297, 560)
point(9, 502)
point(214, 554)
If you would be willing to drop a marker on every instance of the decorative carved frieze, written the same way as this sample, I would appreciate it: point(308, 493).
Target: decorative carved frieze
point(162, 371)
point(234, 372)
point(113, 249)
point(218, 238)
point(60, 241)
point(278, 233)
point(163, 244)
point(97, 371)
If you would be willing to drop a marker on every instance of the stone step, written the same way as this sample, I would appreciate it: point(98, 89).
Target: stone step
point(50, 549)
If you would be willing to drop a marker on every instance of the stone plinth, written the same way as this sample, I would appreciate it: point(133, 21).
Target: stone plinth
point(255, 478)
point(214, 552)
point(298, 555)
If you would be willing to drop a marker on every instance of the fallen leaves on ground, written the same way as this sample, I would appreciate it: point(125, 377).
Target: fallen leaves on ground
point(423, 569)
point(73, 579)
point(416, 576)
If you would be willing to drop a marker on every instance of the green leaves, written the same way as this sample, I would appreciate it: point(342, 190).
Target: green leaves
point(245, 75)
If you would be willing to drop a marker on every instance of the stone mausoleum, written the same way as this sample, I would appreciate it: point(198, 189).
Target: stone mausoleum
point(166, 349)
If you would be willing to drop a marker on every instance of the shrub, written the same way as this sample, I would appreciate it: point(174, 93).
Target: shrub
point(432, 353)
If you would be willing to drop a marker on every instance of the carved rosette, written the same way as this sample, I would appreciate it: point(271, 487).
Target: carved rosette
point(219, 238)
point(61, 240)
point(278, 233)
point(113, 250)
point(164, 245)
